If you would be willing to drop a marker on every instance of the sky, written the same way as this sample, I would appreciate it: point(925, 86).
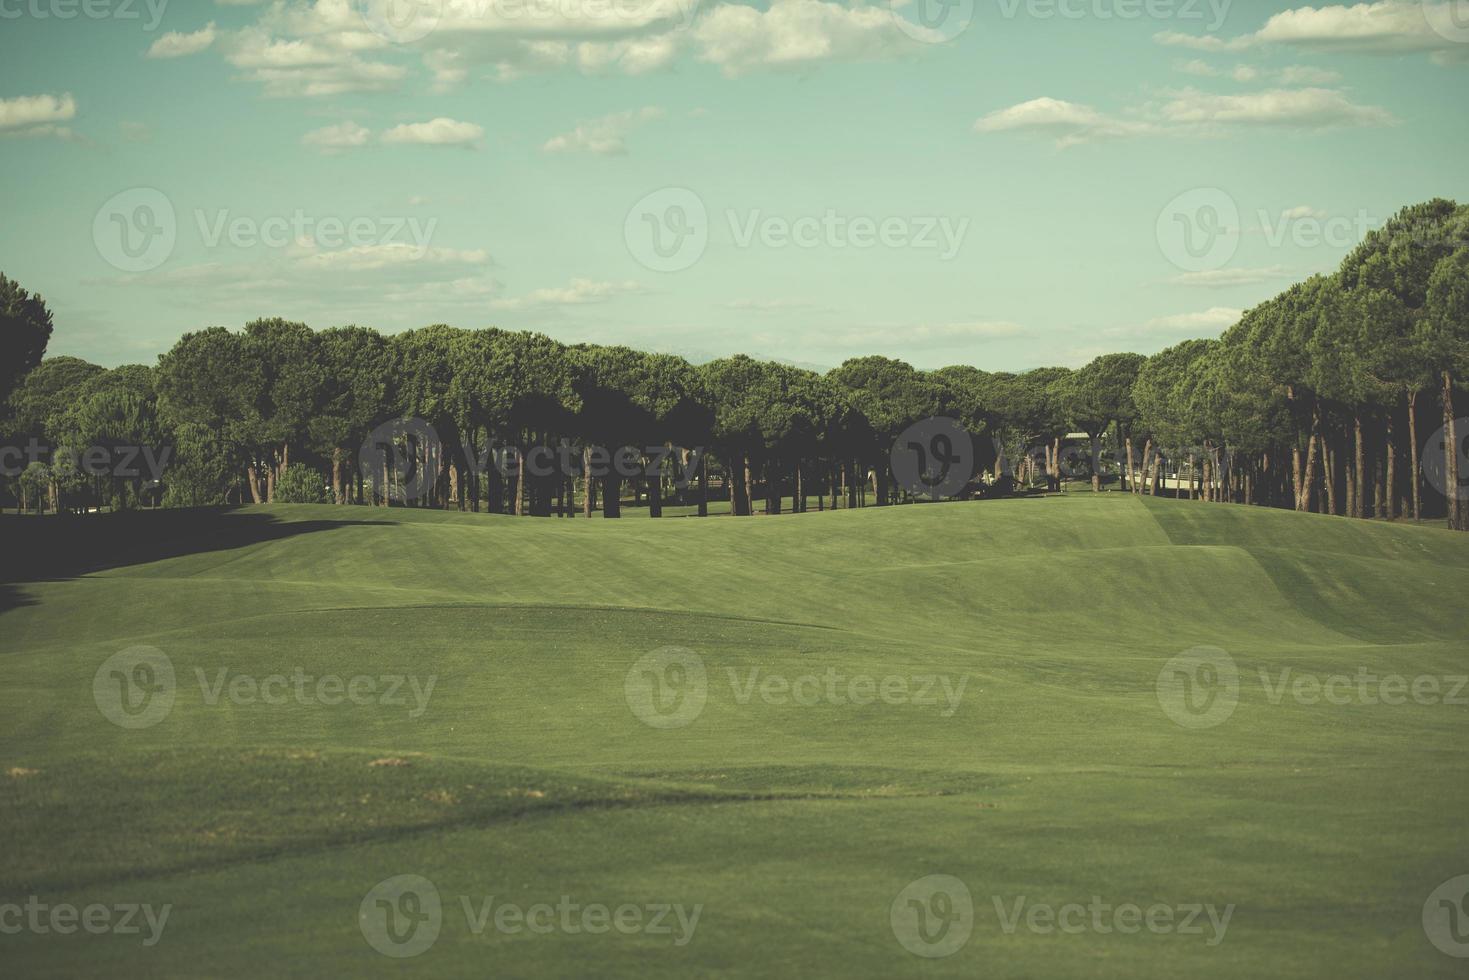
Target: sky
point(1002, 183)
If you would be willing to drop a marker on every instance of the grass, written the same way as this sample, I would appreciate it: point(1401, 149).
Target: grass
point(526, 776)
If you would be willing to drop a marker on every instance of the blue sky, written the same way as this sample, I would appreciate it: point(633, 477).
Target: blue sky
point(1004, 183)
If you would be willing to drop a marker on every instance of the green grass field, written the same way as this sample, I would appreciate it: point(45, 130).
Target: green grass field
point(526, 774)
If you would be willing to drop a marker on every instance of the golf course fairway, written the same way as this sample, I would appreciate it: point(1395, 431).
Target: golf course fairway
point(746, 745)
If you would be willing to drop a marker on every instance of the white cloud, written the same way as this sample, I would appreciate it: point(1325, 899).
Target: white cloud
point(1188, 112)
point(1069, 122)
point(795, 34)
point(297, 68)
point(578, 292)
point(1289, 75)
point(177, 45)
point(1383, 27)
point(36, 114)
point(1302, 211)
point(436, 132)
point(1224, 278)
point(342, 136)
point(1309, 108)
point(396, 280)
point(1307, 75)
point(605, 136)
point(1200, 42)
point(1213, 321)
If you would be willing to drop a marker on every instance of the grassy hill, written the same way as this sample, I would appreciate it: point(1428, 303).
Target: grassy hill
point(1039, 761)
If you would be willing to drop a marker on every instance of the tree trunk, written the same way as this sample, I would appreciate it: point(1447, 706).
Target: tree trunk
point(1451, 457)
point(1413, 451)
point(252, 477)
point(612, 493)
point(703, 484)
point(655, 493)
point(1096, 448)
point(518, 485)
point(1333, 461)
point(1386, 473)
point(1360, 463)
point(588, 484)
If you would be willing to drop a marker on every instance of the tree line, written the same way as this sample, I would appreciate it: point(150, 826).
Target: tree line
point(1318, 399)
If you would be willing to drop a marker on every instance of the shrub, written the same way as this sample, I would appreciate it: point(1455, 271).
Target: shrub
point(300, 484)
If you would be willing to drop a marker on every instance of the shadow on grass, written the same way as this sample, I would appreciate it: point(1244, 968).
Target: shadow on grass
point(41, 549)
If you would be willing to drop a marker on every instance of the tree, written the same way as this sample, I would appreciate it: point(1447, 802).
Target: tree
point(891, 395)
point(25, 329)
point(207, 384)
point(1447, 337)
point(1099, 395)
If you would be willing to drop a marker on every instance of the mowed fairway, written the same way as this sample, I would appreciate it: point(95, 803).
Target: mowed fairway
point(1054, 777)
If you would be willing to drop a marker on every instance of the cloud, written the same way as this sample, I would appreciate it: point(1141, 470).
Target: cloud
point(1212, 321)
point(1188, 112)
point(1302, 211)
point(579, 292)
point(795, 34)
point(1384, 27)
point(309, 67)
point(1309, 108)
point(1289, 75)
point(342, 136)
point(177, 45)
point(1200, 42)
point(1307, 75)
point(1224, 278)
point(395, 280)
point(605, 136)
point(1069, 122)
point(36, 115)
point(436, 132)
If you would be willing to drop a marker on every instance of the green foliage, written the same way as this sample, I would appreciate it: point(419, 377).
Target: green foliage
point(25, 329)
point(300, 484)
